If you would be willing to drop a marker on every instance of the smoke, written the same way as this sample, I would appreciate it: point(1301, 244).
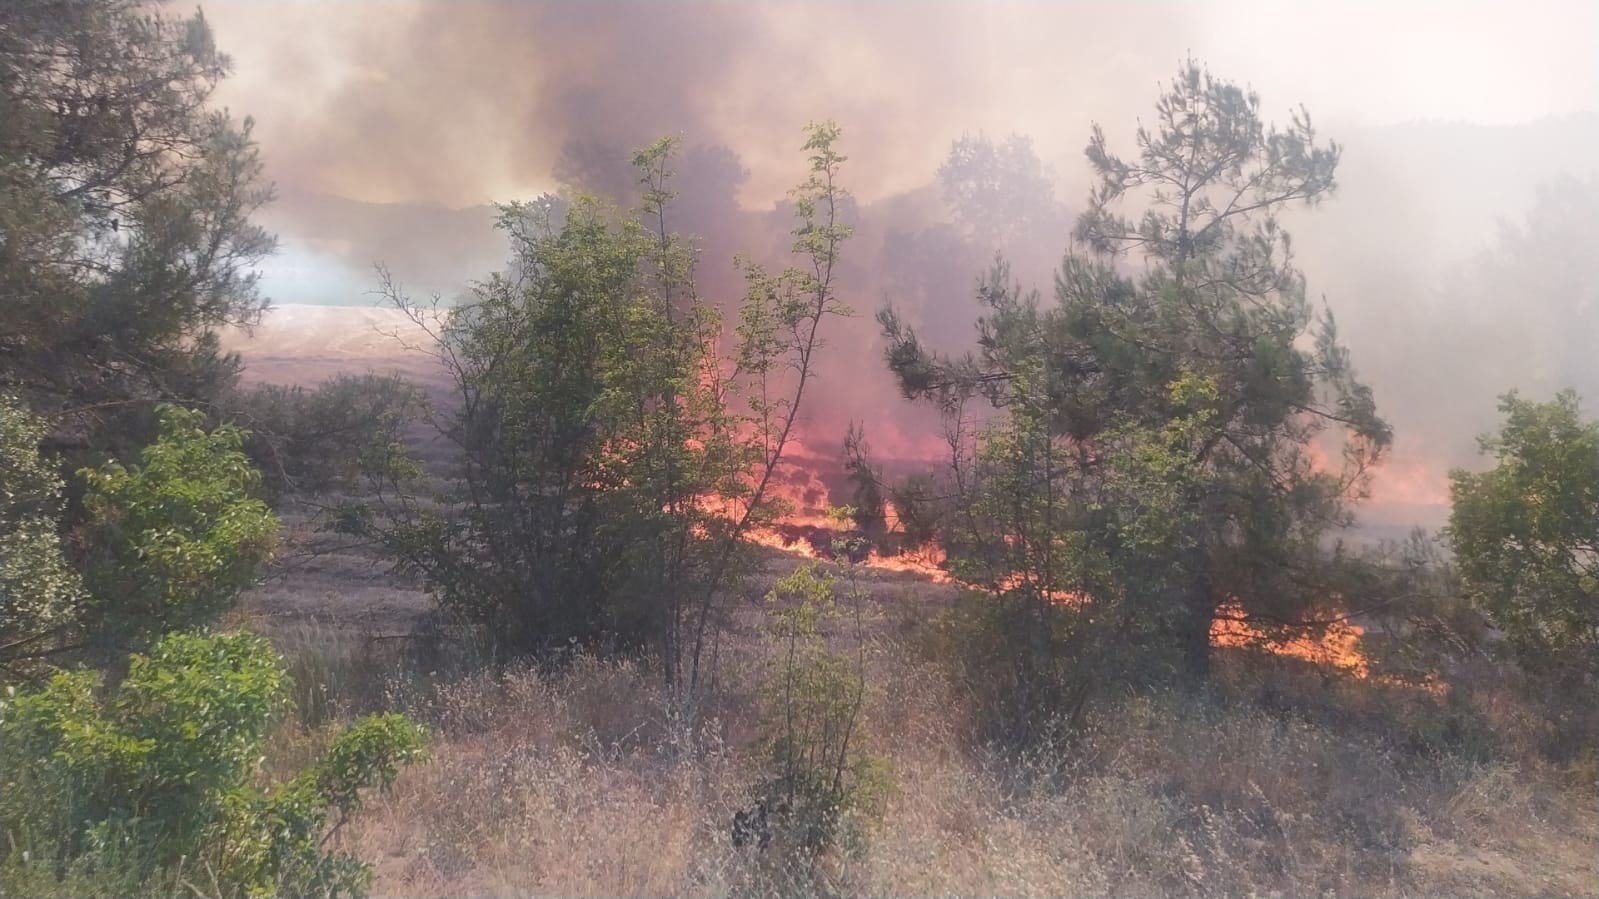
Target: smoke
point(1458, 262)
point(391, 127)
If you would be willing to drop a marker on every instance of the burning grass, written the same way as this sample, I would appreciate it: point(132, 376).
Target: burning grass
point(1336, 644)
point(811, 541)
point(808, 531)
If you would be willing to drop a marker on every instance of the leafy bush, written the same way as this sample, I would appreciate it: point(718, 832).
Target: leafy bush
point(319, 439)
point(816, 776)
point(149, 784)
point(617, 436)
point(40, 594)
point(126, 787)
point(1526, 540)
point(1020, 678)
point(1526, 533)
point(167, 544)
point(171, 542)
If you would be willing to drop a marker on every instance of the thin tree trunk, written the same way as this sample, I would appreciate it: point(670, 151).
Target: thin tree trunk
point(1199, 610)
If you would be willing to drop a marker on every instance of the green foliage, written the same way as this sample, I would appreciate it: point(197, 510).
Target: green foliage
point(868, 504)
point(171, 542)
point(150, 784)
point(121, 788)
point(1526, 534)
point(614, 456)
point(579, 388)
point(40, 594)
point(816, 776)
point(125, 206)
point(317, 440)
point(148, 768)
point(277, 835)
point(1157, 448)
point(167, 544)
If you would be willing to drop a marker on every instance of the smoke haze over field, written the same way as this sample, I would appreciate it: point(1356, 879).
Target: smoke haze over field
point(389, 127)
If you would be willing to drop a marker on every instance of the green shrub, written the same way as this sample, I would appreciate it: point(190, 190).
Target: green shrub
point(1524, 534)
point(1024, 685)
point(40, 595)
point(171, 542)
point(815, 773)
point(319, 439)
point(168, 543)
point(123, 789)
point(617, 435)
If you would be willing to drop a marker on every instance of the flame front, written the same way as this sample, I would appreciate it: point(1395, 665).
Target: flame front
point(809, 532)
point(1338, 644)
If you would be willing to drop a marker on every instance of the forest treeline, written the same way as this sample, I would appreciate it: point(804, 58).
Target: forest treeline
point(1169, 435)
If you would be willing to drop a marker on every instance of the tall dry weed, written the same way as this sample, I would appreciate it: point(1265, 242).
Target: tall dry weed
point(581, 779)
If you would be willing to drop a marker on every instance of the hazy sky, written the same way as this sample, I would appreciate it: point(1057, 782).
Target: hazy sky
point(1453, 115)
point(468, 102)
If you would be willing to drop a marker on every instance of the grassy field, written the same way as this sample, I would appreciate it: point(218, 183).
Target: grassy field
point(1280, 778)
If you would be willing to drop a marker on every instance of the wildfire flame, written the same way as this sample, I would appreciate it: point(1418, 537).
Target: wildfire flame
point(927, 561)
point(814, 542)
point(807, 531)
point(1338, 644)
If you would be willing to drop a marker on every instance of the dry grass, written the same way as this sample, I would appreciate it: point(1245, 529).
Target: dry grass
point(581, 782)
point(564, 784)
point(579, 779)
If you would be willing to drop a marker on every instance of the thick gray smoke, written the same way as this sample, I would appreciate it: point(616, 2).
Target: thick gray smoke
point(1457, 254)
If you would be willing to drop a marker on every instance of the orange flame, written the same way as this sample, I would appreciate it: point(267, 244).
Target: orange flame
point(798, 547)
point(927, 561)
point(808, 531)
point(812, 541)
point(1337, 645)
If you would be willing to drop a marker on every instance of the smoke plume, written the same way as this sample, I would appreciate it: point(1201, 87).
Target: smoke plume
point(1457, 254)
